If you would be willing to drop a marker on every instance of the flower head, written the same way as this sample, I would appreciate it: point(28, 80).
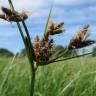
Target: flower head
point(10, 15)
point(81, 38)
point(54, 29)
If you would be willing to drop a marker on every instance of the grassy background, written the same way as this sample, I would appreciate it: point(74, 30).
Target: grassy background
point(75, 77)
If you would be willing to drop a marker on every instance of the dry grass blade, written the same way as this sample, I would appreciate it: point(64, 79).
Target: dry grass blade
point(80, 40)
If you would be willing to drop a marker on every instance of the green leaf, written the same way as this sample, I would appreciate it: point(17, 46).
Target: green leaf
point(11, 5)
point(49, 16)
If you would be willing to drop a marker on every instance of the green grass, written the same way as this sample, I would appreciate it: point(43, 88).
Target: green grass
point(75, 77)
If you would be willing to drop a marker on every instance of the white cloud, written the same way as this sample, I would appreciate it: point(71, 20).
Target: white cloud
point(3, 22)
point(68, 2)
point(75, 15)
point(8, 33)
point(35, 4)
point(40, 13)
point(74, 2)
point(26, 4)
point(91, 9)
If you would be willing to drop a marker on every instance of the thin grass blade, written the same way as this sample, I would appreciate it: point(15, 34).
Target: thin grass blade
point(11, 5)
point(48, 19)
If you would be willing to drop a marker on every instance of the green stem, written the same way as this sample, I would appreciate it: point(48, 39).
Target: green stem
point(29, 50)
point(32, 83)
point(11, 5)
point(18, 24)
point(26, 30)
point(69, 58)
point(21, 32)
point(64, 59)
point(30, 57)
point(29, 39)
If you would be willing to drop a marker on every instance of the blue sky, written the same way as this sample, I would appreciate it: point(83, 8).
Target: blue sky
point(74, 13)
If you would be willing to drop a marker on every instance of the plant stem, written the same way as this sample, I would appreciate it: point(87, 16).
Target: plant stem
point(29, 50)
point(32, 82)
point(30, 57)
point(69, 58)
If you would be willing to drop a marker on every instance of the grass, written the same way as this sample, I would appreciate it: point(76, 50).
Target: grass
point(76, 77)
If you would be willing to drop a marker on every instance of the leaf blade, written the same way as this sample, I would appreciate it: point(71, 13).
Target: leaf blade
point(49, 16)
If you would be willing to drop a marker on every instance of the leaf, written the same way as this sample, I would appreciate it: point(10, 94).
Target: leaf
point(49, 16)
point(11, 5)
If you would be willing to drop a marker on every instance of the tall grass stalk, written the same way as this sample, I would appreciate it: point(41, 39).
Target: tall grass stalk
point(68, 58)
point(48, 19)
point(7, 74)
point(68, 85)
point(29, 49)
point(72, 81)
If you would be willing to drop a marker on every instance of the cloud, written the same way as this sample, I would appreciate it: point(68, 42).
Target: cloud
point(74, 2)
point(3, 22)
point(8, 33)
point(69, 2)
point(75, 15)
point(26, 4)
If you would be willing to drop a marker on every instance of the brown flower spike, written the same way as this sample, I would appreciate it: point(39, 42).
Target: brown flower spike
point(54, 29)
point(44, 47)
point(80, 39)
point(43, 50)
point(10, 15)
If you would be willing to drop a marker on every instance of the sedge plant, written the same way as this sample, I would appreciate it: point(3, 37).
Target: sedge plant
point(42, 50)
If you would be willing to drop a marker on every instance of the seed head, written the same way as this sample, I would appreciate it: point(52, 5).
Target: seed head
point(10, 15)
point(81, 38)
point(54, 29)
point(43, 50)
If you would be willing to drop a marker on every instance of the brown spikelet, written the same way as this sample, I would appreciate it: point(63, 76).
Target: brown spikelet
point(44, 47)
point(2, 16)
point(54, 29)
point(12, 15)
point(80, 39)
point(82, 34)
point(6, 11)
point(43, 50)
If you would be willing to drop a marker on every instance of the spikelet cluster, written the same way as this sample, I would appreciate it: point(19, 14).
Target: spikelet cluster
point(14, 16)
point(80, 39)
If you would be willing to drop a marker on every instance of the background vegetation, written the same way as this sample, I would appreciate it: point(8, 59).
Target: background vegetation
point(5, 52)
point(76, 77)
